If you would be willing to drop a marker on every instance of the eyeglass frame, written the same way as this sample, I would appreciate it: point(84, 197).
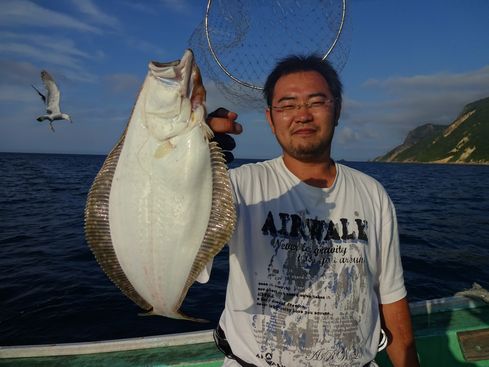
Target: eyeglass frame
point(314, 105)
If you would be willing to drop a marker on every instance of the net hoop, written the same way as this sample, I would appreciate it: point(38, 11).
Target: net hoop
point(244, 83)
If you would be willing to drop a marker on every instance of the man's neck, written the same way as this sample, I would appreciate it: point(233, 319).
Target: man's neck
point(320, 173)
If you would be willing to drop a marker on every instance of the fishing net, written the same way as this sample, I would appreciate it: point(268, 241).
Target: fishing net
point(239, 41)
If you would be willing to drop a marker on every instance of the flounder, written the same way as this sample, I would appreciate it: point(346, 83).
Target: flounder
point(161, 206)
point(476, 292)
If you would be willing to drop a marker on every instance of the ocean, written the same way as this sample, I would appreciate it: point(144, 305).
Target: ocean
point(53, 291)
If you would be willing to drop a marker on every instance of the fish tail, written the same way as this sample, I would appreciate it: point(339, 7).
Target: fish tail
point(176, 315)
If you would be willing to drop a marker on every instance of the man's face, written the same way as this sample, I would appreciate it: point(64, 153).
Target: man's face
point(304, 133)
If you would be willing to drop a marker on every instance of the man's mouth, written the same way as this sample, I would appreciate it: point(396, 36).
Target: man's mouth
point(304, 131)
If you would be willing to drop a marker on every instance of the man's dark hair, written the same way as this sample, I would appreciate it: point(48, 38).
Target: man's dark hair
point(297, 63)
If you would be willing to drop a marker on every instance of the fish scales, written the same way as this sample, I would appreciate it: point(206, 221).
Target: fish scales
point(161, 206)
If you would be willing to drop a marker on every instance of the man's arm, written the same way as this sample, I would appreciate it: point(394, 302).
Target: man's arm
point(396, 322)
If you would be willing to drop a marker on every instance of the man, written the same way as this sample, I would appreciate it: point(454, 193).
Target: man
point(315, 269)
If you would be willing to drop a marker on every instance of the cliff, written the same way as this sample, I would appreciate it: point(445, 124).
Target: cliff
point(465, 140)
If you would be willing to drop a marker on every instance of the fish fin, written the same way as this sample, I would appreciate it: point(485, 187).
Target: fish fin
point(198, 115)
point(147, 313)
point(222, 218)
point(183, 316)
point(202, 321)
point(178, 315)
point(97, 227)
point(208, 133)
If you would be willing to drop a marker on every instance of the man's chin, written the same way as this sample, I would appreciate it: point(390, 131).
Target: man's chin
point(309, 154)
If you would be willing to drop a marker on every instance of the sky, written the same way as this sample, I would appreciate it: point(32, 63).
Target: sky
point(409, 63)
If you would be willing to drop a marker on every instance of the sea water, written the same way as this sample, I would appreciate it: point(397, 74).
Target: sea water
point(53, 291)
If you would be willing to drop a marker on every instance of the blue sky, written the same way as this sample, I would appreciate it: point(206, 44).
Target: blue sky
point(409, 63)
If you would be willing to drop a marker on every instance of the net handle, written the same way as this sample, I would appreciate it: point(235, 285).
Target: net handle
point(249, 85)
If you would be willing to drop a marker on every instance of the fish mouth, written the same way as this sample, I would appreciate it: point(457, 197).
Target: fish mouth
point(176, 74)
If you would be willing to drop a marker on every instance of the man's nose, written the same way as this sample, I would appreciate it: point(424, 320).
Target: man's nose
point(303, 113)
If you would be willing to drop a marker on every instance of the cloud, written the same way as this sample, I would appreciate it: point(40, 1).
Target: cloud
point(46, 52)
point(397, 105)
point(471, 80)
point(18, 93)
point(145, 8)
point(21, 13)
point(148, 8)
point(48, 45)
point(75, 71)
point(96, 15)
point(145, 46)
point(123, 82)
point(17, 72)
point(373, 125)
point(346, 135)
point(179, 6)
point(427, 98)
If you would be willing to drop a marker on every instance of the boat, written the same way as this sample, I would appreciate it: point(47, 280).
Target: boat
point(196, 349)
point(450, 332)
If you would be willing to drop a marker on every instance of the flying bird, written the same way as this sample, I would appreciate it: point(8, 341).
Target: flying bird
point(51, 100)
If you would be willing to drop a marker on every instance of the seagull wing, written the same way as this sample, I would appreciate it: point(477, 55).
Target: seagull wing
point(52, 104)
point(39, 92)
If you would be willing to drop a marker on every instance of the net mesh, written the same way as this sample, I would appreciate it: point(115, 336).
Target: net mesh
point(244, 39)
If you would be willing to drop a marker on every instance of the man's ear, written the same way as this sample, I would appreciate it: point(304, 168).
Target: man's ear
point(337, 115)
point(268, 114)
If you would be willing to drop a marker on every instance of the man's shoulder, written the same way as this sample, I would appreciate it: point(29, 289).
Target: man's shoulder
point(357, 176)
point(255, 167)
point(354, 172)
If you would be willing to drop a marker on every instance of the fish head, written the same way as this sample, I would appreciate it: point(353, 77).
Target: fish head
point(174, 97)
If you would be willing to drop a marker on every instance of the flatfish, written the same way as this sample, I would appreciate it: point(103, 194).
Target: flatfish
point(161, 206)
point(476, 292)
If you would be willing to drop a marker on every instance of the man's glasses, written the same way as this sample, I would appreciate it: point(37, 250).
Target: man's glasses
point(316, 105)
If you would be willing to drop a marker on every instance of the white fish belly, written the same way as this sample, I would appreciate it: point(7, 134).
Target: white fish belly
point(159, 210)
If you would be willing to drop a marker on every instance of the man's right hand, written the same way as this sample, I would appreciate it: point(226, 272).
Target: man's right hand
point(223, 122)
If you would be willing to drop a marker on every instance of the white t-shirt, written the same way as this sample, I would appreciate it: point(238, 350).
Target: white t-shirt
point(308, 268)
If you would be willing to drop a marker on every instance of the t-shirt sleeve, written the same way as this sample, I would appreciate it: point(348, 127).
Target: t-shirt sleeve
point(391, 278)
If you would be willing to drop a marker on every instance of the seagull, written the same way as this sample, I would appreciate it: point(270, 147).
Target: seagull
point(52, 101)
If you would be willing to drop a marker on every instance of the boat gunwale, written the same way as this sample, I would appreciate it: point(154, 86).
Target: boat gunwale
point(424, 307)
point(453, 303)
point(107, 346)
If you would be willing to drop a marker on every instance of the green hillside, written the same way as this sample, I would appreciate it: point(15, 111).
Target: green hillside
point(465, 140)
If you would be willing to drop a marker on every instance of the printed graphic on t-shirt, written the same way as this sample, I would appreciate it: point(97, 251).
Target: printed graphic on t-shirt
point(313, 293)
